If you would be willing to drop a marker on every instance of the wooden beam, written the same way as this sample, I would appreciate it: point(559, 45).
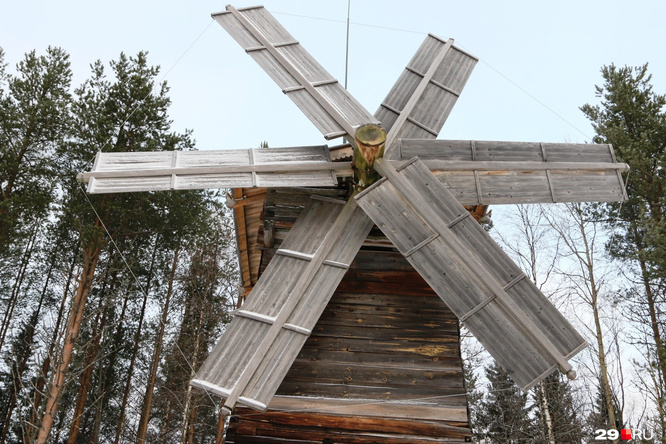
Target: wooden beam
point(470, 272)
point(350, 407)
point(345, 168)
point(326, 103)
point(280, 167)
point(370, 143)
point(414, 99)
point(508, 166)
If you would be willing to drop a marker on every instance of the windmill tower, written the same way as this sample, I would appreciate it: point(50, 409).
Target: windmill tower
point(360, 260)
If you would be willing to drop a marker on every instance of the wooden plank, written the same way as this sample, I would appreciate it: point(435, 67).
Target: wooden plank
point(326, 103)
point(252, 378)
point(525, 334)
point(426, 91)
point(359, 408)
point(418, 92)
point(521, 172)
point(154, 171)
point(241, 223)
point(297, 421)
point(520, 166)
point(494, 151)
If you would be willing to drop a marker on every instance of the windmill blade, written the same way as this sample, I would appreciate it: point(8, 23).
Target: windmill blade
point(253, 380)
point(426, 91)
point(507, 313)
point(186, 170)
point(486, 172)
point(248, 364)
point(323, 100)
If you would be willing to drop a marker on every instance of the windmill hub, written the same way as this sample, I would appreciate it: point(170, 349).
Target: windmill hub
point(370, 142)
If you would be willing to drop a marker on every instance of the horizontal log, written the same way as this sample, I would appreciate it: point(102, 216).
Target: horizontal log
point(360, 408)
point(398, 347)
point(299, 421)
point(378, 357)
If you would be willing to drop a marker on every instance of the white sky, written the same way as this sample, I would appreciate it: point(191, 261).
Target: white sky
point(553, 50)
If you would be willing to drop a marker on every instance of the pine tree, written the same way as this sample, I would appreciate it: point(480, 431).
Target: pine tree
point(34, 115)
point(205, 290)
point(505, 416)
point(598, 417)
point(122, 114)
point(632, 117)
point(566, 423)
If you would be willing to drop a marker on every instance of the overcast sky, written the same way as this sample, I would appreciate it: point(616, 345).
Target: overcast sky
point(539, 60)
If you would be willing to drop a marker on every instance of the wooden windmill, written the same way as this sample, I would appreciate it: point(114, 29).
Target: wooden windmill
point(340, 384)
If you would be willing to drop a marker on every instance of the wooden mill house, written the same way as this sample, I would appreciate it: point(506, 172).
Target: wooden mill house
point(360, 261)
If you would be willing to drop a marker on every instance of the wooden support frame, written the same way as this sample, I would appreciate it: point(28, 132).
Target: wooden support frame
point(328, 105)
point(397, 207)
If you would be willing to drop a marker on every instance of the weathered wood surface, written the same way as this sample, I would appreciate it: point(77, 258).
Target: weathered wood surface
point(254, 379)
point(301, 425)
point(487, 172)
point(426, 91)
point(477, 173)
point(314, 427)
point(182, 170)
point(327, 241)
point(383, 364)
point(514, 321)
point(247, 220)
point(321, 98)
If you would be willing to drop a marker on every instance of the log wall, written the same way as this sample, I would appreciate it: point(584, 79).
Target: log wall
point(381, 366)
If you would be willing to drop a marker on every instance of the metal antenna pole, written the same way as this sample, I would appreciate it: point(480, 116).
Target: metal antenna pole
point(347, 45)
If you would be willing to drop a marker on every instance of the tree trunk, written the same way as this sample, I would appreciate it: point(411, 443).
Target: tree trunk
point(152, 375)
point(89, 365)
point(106, 371)
point(16, 289)
point(652, 304)
point(46, 366)
point(370, 142)
point(135, 350)
point(164, 431)
point(23, 363)
point(90, 259)
point(545, 411)
point(594, 302)
point(188, 416)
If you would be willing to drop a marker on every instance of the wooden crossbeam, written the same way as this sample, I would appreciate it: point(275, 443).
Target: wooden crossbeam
point(326, 103)
point(471, 273)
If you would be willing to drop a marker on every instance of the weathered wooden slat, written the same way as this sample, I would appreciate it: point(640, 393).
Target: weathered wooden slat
point(521, 172)
point(298, 421)
point(328, 239)
point(154, 171)
point(326, 103)
point(483, 150)
point(517, 166)
point(518, 326)
point(426, 91)
point(358, 408)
